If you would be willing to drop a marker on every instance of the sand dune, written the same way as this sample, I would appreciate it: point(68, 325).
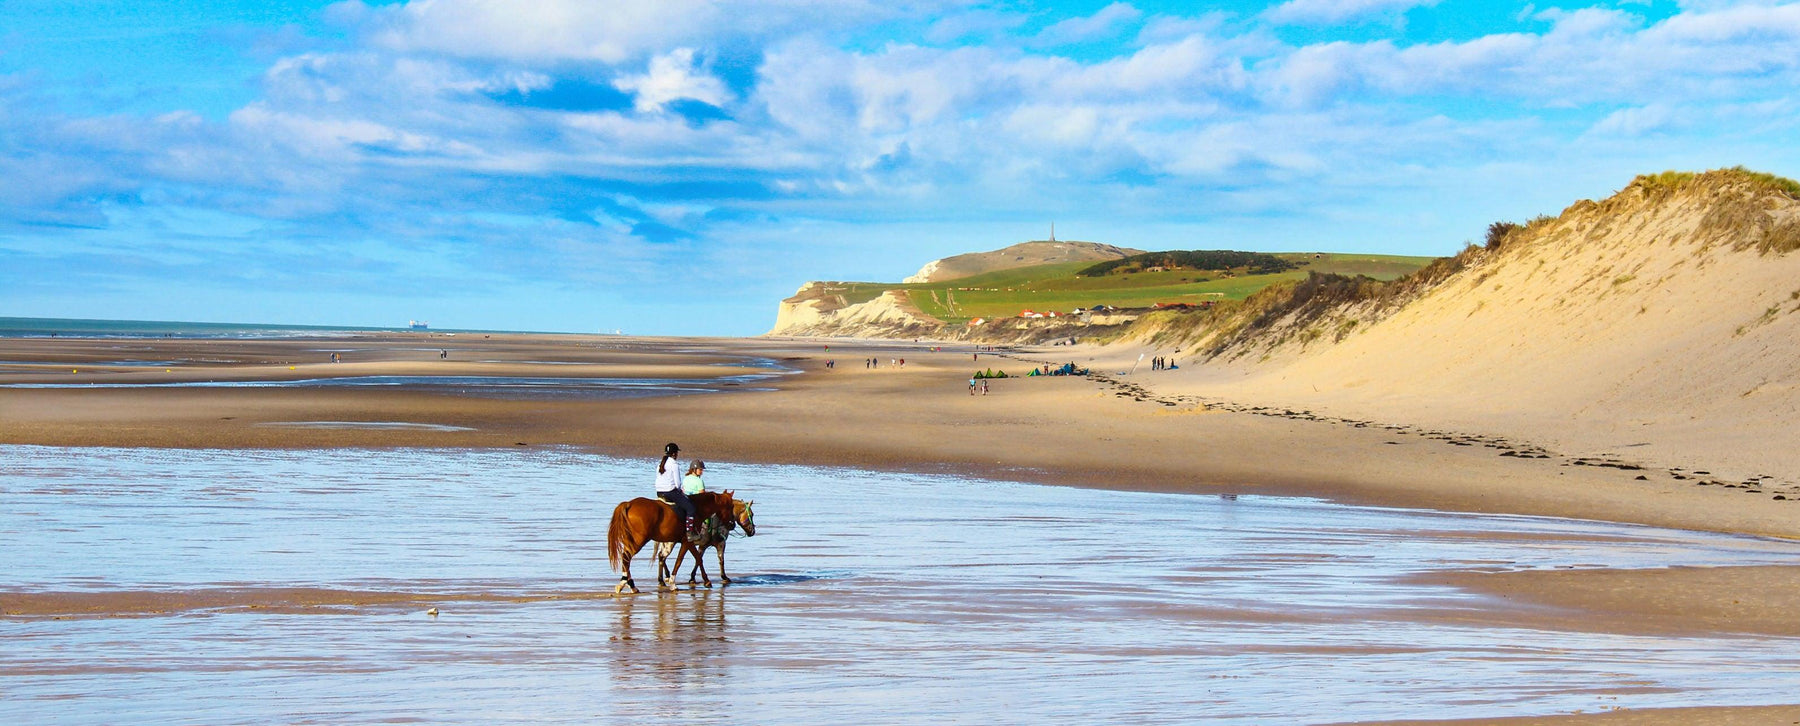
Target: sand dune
point(1658, 325)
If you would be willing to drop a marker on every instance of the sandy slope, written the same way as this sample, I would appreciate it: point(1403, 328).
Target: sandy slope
point(1646, 327)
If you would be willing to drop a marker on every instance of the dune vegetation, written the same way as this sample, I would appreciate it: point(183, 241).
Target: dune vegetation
point(1256, 303)
point(1062, 287)
point(1734, 208)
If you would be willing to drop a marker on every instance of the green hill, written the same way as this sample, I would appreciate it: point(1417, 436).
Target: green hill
point(1062, 288)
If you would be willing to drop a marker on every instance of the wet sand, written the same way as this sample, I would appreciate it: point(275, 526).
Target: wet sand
point(288, 600)
point(1051, 430)
point(1739, 716)
point(919, 418)
point(1675, 600)
point(204, 586)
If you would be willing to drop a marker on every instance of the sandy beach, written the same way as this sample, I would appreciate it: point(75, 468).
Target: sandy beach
point(1105, 432)
point(1100, 431)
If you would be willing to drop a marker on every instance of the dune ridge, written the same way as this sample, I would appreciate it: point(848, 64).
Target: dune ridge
point(1023, 254)
point(1659, 323)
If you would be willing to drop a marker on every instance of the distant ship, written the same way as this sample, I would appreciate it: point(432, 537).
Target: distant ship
point(418, 324)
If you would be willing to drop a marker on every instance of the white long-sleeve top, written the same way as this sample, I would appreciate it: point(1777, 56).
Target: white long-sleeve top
point(669, 479)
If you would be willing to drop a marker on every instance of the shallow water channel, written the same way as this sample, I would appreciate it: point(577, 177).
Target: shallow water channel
point(501, 387)
point(867, 597)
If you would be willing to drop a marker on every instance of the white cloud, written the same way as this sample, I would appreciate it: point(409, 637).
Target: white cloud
point(1195, 64)
point(544, 30)
point(673, 76)
point(1105, 23)
point(1635, 122)
point(1588, 56)
point(608, 32)
point(1329, 12)
point(1170, 28)
point(1588, 22)
point(980, 23)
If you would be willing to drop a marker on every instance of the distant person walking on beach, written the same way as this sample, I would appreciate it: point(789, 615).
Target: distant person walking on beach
point(973, 382)
point(668, 488)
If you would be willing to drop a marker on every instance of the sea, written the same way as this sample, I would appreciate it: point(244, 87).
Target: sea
point(84, 328)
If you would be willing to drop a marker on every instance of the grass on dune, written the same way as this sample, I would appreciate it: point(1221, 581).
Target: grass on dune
point(1056, 287)
point(1673, 180)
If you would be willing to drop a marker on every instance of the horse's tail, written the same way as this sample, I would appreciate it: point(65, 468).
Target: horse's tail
point(615, 534)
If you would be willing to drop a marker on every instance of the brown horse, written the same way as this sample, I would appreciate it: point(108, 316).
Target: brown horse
point(643, 520)
point(741, 517)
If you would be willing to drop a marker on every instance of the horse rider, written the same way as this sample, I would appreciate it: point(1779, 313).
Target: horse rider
point(693, 483)
point(668, 489)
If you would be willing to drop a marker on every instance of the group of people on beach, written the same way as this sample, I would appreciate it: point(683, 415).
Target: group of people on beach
point(831, 363)
point(1160, 363)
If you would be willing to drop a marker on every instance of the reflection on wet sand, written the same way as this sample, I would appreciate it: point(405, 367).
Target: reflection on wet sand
point(168, 586)
point(285, 600)
point(680, 641)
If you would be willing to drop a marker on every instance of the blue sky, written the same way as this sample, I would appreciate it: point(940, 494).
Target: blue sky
point(676, 167)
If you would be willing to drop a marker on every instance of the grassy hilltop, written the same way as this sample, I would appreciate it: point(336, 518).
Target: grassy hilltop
point(1061, 287)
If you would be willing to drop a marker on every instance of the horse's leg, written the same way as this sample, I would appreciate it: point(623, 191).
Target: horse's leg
point(680, 554)
point(624, 542)
point(700, 566)
point(625, 577)
point(663, 573)
point(722, 576)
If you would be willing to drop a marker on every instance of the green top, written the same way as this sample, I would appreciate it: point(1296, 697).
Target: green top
point(691, 484)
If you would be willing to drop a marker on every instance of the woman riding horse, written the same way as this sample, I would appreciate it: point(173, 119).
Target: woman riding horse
point(641, 521)
point(668, 488)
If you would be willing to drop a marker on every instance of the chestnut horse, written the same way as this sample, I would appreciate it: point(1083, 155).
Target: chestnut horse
point(741, 517)
point(642, 520)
